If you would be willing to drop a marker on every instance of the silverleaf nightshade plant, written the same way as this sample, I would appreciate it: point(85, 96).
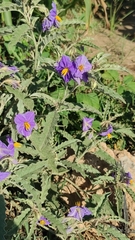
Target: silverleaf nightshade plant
point(25, 122)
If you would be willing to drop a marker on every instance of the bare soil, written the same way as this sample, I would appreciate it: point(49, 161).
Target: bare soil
point(121, 42)
point(121, 49)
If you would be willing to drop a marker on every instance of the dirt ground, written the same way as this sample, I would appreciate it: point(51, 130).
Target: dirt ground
point(119, 43)
point(121, 49)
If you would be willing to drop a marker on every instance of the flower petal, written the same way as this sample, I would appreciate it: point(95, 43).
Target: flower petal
point(4, 175)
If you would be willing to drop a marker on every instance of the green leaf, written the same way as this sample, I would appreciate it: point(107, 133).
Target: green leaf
point(27, 171)
point(102, 180)
point(69, 137)
point(8, 6)
point(127, 79)
point(56, 222)
point(119, 200)
point(28, 150)
point(113, 231)
point(49, 127)
point(46, 60)
point(46, 185)
point(24, 100)
point(7, 30)
point(18, 221)
point(2, 217)
point(100, 203)
point(111, 67)
point(106, 90)
point(130, 192)
point(58, 94)
point(111, 75)
point(126, 131)
point(19, 32)
point(88, 7)
point(72, 22)
point(66, 144)
point(74, 107)
point(105, 157)
point(36, 141)
point(29, 103)
point(83, 169)
point(16, 92)
point(31, 230)
point(120, 89)
point(130, 87)
point(48, 39)
point(48, 99)
point(89, 99)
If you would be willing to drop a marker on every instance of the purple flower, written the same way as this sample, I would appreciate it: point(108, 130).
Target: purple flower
point(13, 68)
point(65, 68)
point(128, 178)
point(3, 150)
point(46, 24)
point(25, 123)
point(55, 19)
point(125, 177)
point(43, 221)
point(4, 175)
point(107, 132)
point(52, 20)
point(4, 68)
point(12, 145)
point(11, 81)
point(82, 66)
point(87, 123)
point(79, 212)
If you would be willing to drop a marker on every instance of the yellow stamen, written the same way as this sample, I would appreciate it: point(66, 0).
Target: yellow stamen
point(17, 144)
point(81, 67)
point(65, 71)
point(58, 18)
point(131, 181)
point(27, 126)
point(42, 222)
point(78, 203)
point(109, 135)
